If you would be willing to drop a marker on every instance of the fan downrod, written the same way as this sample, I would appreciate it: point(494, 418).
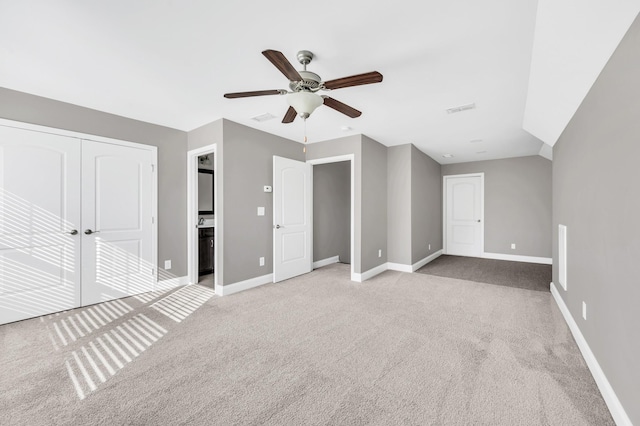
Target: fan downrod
point(305, 57)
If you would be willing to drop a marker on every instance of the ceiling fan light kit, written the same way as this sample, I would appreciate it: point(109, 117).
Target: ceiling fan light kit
point(304, 103)
point(303, 85)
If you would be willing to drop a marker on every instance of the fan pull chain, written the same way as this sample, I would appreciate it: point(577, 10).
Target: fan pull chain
point(304, 148)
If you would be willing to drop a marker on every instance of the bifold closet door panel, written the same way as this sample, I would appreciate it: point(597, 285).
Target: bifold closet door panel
point(39, 212)
point(116, 222)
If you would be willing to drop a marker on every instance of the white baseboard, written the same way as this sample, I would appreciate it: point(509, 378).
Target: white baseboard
point(171, 283)
point(518, 258)
point(325, 262)
point(402, 267)
point(615, 407)
point(370, 273)
point(225, 290)
point(420, 263)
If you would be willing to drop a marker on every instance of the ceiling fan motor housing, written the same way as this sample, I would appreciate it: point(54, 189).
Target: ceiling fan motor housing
point(310, 82)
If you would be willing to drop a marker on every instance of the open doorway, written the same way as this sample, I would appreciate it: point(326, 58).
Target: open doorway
point(206, 220)
point(333, 211)
point(202, 222)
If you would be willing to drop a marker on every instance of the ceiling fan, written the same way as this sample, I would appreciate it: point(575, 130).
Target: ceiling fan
point(304, 85)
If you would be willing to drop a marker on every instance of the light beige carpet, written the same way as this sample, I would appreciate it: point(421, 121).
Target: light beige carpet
point(318, 349)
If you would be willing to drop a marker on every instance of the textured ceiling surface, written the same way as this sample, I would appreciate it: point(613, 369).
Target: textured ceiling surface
point(170, 62)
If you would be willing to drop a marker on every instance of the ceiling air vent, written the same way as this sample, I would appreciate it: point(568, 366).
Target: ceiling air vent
point(461, 108)
point(263, 117)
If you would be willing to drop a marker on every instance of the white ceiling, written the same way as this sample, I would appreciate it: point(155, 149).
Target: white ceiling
point(169, 62)
point(574, 39)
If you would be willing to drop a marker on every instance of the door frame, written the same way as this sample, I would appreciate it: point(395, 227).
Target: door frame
point(444, 207)
point(192, 214)
point(95, 138)
point(337, 159)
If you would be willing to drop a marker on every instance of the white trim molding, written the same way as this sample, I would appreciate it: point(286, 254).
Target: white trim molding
point(74, 134)
point(325, 262)
point(352, 161)
point(518, 258)
point(370, 273)
point(420, 263)
point(172, 283)
point(192, 212)
point(400, 267)
point(615, 406)
point(225, 290)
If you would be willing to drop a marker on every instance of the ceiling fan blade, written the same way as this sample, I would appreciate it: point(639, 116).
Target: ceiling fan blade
point(290, 115)
point(254, 93)
point(340, 107)
point(280, 62)
point(354, 80)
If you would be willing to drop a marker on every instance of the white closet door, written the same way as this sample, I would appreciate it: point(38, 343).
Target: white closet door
point(117, 224)
point(39, 209)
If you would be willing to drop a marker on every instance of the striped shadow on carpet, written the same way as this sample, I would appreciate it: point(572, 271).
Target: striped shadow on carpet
point(530, 276)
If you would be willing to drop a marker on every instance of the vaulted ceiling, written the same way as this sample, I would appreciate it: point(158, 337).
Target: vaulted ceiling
point(169, 62)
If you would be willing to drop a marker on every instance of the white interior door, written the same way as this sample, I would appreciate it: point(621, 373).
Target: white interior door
point(117, 226)
point(291, 218)
point(39, 209)
point(464, 215)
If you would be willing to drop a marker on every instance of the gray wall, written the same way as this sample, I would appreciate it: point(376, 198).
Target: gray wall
point(374, 203)
point(171, 143)
point(245, 166)
point(343, 146)
point(399, 204)
point(248, 166)
point(517, 203)
point(414, 204)
point(332, 211)
point(426, 205)
point(206, 135)
point(595, 194)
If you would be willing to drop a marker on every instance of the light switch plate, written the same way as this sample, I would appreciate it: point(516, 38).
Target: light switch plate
point(260, 211)
point(167, 265)
point(267, 188)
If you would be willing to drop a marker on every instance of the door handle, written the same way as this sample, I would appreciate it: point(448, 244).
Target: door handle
point(478, 220)
point(211, 243)
point(278, 226)
point(72, 232)
point(89, 231)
